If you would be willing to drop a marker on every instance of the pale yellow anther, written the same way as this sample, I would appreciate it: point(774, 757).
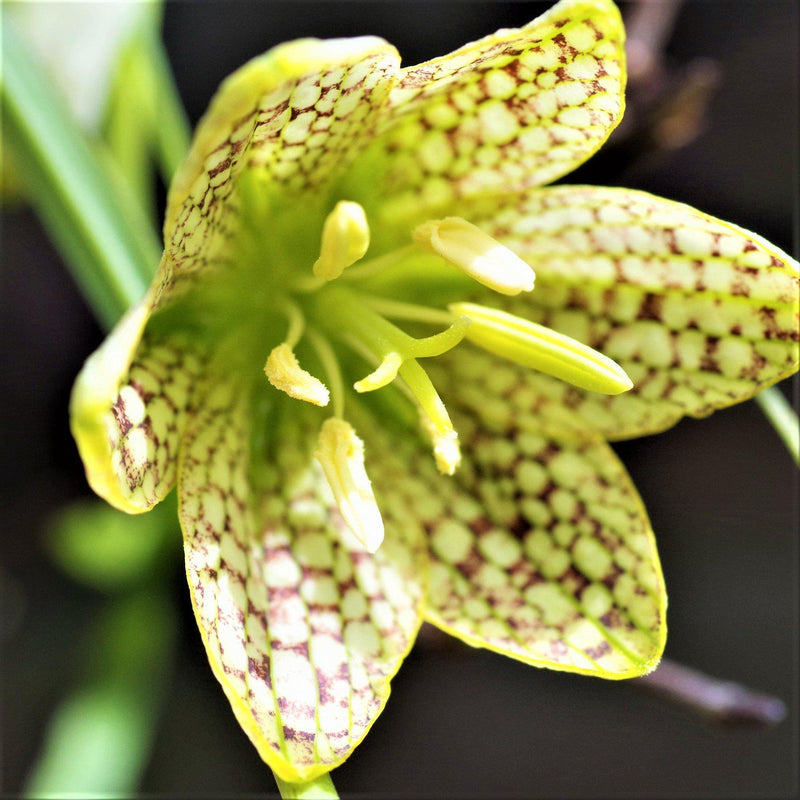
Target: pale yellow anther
point(285, 373)
point(341, 454)
point(382, 375)
point(345, 239)
point(476, 253)
point(544, 349)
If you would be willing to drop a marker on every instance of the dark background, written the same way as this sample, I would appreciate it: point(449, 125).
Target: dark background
point(721, 492)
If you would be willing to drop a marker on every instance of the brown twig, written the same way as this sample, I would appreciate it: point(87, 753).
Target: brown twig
point(719, 700)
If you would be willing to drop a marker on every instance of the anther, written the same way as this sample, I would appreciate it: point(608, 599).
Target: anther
point(544, 349)
point(345, 239)
point(476, 253)
point(285, 373)
point(341, 454)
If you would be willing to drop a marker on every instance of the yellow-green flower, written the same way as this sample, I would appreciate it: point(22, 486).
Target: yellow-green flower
point(328, 191)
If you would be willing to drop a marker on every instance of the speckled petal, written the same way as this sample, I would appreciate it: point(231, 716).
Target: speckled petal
point(128, 410)
point(700, 313)
point(542, 551)
point(291, 119)
point(303, 627)
point(518, 108)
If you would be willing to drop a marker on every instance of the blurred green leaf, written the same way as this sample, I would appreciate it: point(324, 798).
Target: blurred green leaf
point(110, 247)
point(98, 740)
point(94, 745)
point(145, 120)
point(108, 550)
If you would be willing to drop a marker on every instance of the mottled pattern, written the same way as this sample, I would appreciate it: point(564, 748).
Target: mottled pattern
point(302, 626)
point(541, 549)
point(147, 418)
point(291, 132)
point(539, 546)
point(516, 109)
point(700, 314)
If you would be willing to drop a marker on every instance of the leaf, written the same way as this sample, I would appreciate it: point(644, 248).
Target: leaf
point(107, 243)
point(102, 548)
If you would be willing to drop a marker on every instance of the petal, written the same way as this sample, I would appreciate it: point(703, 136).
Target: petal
point(302, 631)
point(292, 119)
point(518, 108)
point(553, 562)
point(128, 409)
point(700, 313)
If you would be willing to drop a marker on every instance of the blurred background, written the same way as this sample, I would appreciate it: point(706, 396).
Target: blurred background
point(712, 122)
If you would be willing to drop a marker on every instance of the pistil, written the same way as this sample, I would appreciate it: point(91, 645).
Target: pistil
point(348, 317)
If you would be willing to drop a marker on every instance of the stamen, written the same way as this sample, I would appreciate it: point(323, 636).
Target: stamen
point(345, 239)
point(283, 369)
point(330, 363)
point(285, 373)
point(397, 309)
point(434, 414)
point(374, 266)
point(341, 454)
point(294, 315)
point(476, 253)
point(544, 349)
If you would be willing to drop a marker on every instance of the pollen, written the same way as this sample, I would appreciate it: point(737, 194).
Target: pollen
point(285, 373)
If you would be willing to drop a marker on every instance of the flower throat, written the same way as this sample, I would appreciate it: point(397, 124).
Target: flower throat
point(332, 306)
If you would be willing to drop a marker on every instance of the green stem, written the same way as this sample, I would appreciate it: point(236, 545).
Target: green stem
point(778, 410)
point(72, 193)
point(321, 788)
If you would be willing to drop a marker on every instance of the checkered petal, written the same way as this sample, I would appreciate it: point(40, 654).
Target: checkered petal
point(700, 313)
point(516, 109)
point(303, 627)
point(542, 551)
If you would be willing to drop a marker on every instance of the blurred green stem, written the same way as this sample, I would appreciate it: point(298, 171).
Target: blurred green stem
point(109, 247)
point(321, 788)
point(145, 119)
point(778, 410)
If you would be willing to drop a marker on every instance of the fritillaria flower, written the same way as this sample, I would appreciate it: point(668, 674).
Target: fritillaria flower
point(382, 364)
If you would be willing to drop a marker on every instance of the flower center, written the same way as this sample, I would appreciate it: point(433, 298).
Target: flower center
point(335, 306)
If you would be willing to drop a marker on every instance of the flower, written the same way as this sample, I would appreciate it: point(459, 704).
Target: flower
point(327, 190)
